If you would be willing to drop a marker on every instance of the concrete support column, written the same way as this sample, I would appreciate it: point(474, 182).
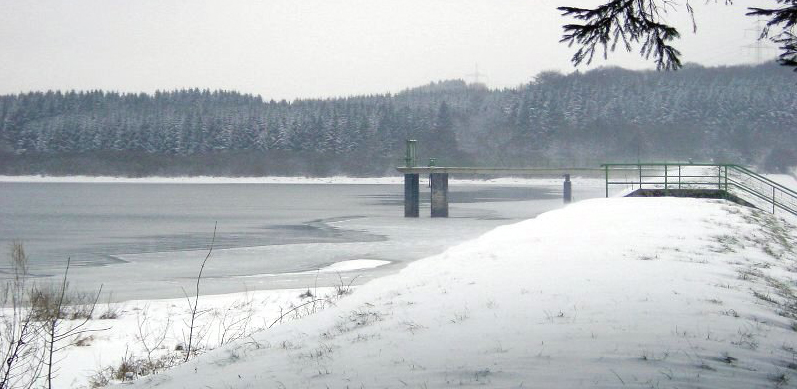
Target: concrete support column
point(439, 194)
point(568, 190)
point(411, 195)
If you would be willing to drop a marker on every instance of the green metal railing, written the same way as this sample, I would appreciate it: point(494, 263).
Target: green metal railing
point(730, 179)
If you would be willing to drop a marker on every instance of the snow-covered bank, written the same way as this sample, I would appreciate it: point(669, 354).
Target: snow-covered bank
point(338, 180)
point(342, 266)
point(646, 292)
point(139, 332)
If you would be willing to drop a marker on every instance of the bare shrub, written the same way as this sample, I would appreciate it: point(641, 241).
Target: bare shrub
point(59, 334)
point(194, 305)
point(127, 367)
point(234, 322)
point(39, 323)
point(151, 336)
point(342, 288)
point(111, 310)
point(100, 378)
point(131, 367)
point(84, 341)
point(47, 302)
point(21, 337)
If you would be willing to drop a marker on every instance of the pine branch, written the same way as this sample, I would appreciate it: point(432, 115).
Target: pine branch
point(785, 20)
point(626, 22)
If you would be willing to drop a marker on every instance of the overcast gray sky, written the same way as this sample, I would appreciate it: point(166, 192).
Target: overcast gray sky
point(311, 48)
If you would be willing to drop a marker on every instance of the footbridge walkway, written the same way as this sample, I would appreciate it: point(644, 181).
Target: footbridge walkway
point(683, 179)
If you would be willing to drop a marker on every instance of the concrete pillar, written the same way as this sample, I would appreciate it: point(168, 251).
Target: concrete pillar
point(439, 194)
point(411, 195)
point(568, 190)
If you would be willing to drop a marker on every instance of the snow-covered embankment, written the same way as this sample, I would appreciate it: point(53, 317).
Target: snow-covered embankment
point(611, 292)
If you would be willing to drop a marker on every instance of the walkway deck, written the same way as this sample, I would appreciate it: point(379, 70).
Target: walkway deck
point(504, 171)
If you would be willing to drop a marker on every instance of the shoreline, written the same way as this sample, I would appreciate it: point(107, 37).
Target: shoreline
point(335, 267)
point(492, 283)
point(709, 304)
point(333, 180)
point(137, 324)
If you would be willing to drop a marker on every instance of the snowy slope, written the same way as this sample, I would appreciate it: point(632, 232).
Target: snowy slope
point(641, 292)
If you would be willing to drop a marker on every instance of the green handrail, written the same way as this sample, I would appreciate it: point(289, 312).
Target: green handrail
point(751, 186)
point(767, 180)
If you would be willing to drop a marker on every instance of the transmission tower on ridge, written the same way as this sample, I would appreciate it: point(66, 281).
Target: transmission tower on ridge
point(758, 47)
point(476, 75)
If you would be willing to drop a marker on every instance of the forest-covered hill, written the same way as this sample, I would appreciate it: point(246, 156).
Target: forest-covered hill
point(738, 114)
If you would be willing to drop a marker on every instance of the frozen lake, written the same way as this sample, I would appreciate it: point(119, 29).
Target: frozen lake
point(147, 240)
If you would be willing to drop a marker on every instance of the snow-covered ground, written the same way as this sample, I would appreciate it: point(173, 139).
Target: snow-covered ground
point(641, 292)
point(154, 331)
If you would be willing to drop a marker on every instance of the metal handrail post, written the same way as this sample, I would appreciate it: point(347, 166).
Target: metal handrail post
point(726, 182)
point(766, 180)
point(725, 179)
point(639, 167)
